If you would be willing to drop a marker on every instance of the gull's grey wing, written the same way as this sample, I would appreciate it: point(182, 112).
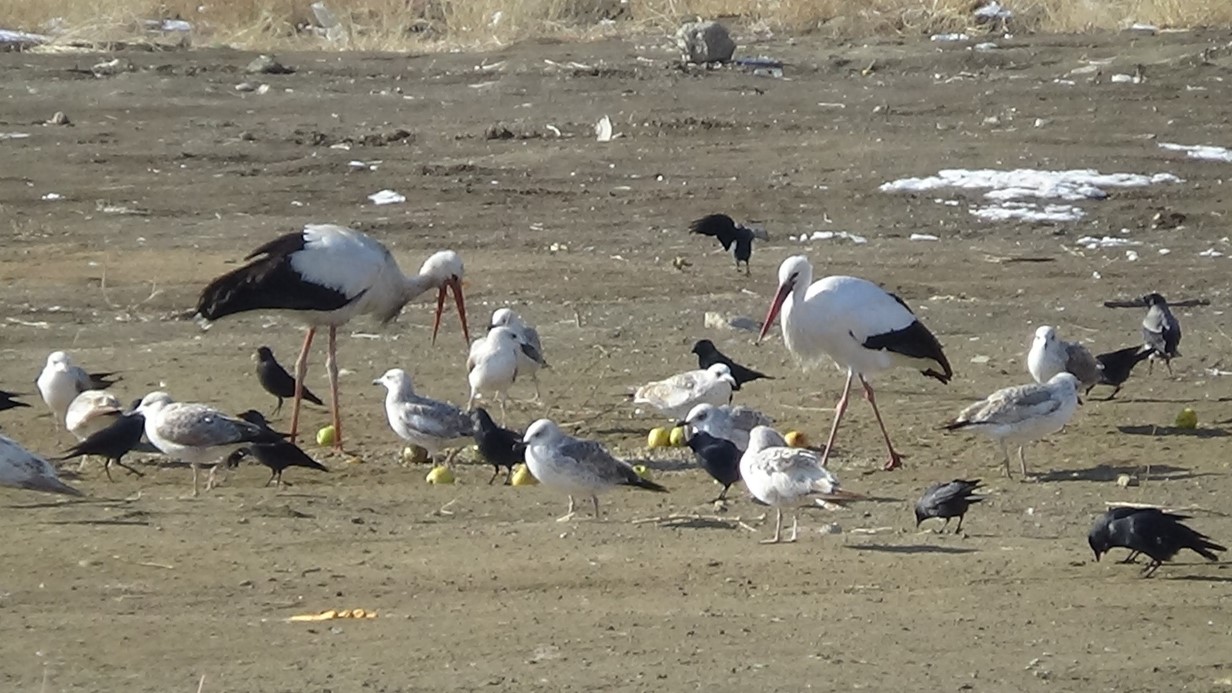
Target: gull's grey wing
point(595, 460)
point(747, 418)
point(437, 419)
point(199, 426)
point(1080, 362)
point(1012, 405)
point(531, 336)
point(532, 353)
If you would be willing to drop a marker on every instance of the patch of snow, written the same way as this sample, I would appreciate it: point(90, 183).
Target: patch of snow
point(1122, 78)
point(168, 25)
point(1131, 255)
point(1210, 252)
point(1199, 151)
point(986, 46)
point(923, 237)
point(52, 197)
point(14, 135)
point(21, 38)
point(831, 235)
point(1091, 242)
point(387, 197)
point(1028, 211)
point(950, 37)
point(1076, 184)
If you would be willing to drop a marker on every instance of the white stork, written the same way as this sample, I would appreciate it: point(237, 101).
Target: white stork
point(860, 326)
point(325, 275)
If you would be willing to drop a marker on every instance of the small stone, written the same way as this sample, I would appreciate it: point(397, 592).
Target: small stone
point(59, 119)
point(1125, 481)
point(705, 42)
point(267, 65)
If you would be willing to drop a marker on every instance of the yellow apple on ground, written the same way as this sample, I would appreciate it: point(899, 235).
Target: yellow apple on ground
point(659, 438)
point(522, 476)
point(796, 439)
point(676, 437)
point(326, 436)
point(441, 475)
point(1187, 418)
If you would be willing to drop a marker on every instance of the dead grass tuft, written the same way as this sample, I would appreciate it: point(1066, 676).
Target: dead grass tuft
point(437, 24)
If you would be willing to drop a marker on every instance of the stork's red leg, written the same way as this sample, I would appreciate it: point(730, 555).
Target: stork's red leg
point(839, 410)
point(301, 369)
point(896, 460)
point(331, 365)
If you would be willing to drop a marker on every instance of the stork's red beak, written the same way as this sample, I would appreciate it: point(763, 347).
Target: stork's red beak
point(775, 307)
point(453, 284)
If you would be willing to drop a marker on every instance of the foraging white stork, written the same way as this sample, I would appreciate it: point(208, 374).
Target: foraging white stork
point(860, 326)
point(326, 275)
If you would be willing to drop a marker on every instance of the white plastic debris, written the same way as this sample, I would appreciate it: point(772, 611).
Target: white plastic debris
point(991, 11)
point(985, 46)
point(168, 25)
point(1122, 78)
point(387, 197)
point(1131, 255)
point(20, 39)
point(603, 130)
point(52, 197)
point(1210, 252)
point(831, 235)
point(949, 37)
point(923, 237)
point(14, 135)
point(1199, 151)
point(1091, 242)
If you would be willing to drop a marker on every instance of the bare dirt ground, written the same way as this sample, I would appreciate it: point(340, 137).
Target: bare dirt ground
point(137, 589)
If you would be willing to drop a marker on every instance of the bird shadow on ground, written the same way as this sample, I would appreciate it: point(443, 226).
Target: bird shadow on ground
point(618, 430)
point(1143, 400)
point(117, 522)
point(1149, 430)
point(911, 548)
point(1201, 578)
point(1105, 472)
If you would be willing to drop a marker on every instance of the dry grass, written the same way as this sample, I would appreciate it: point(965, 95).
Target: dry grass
point(428, 24)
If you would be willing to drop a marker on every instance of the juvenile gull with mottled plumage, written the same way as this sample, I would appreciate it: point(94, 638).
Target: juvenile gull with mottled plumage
point(677, 395)
point(431, 424)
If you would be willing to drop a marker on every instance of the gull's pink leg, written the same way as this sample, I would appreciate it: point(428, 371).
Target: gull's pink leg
point(331, 365)
point(301, 369)
point(839, 410)
point(896, 460)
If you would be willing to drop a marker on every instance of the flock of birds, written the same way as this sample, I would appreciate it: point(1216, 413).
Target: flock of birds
point(326, 275)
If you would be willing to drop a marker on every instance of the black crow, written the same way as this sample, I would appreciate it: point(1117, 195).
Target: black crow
point(272, 450)
point(113, 442)
point(729, 233)
point(708, 355)
point(1121, 512)
point(1115, 366)
point(947, 499)
point(501, 447)
point(719, 457)
point(276, 380)
point(256, 418)
point(1160, 330)
point(1153, 532)
point(8, 400)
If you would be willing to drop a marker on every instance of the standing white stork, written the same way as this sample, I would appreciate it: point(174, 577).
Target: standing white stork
point(860, 326)
point(325, 275)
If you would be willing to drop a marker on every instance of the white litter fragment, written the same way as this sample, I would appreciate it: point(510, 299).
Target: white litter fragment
point(831, 235)
point(980, 359)
point(1091, 242)
point(387, 197)
point(1164, 251)
point(1122, 78)
point(949, 37)
point(168, 25)
point(993, 10)
point(986, 46)
point(1148, 28)
point(52, 197)
point(1199, 151)
point(21, 38)
point(923, 237)
point(364, 165)
point(1210, 252)
point(1131, 255)
point(14, 135)
point(1028, 211)
point(555, 130)
point(603, 130)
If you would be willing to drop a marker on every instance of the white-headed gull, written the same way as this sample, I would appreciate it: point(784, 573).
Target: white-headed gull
point(326, 275)
point(1022, 414)
point(1050, 355)
point(20, 468)
point(62, 380)
point(857, 324)
point(494, 364)
point(577, 467)
point(195, 433)
point(727, 422)
point(677, 395)
point(778, 475)
point(528, 364)
point(431, 424)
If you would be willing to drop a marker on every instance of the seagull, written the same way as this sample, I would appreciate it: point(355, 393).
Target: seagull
point(501, 447)
point(729, 233)
point(1022, 414)
point(1160, 330)
point(20, 468)
point(708, 355)
point(947, 499)
point(677, 395)
point(718, 456)
point(431, 424)
point(1153, 532)
point(528, 364)
point(576, 466)
point(276, 454)
point(779, 475)
point(195, 433)
point(494, 364)
point(276, 380)
point(326, 275)
point(857, 324)
point(8, 401)
point(91, 411)
point(62, 380)
point(1116, 366)
point(1050, 355)
point(726, 422)
point(113, 442)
